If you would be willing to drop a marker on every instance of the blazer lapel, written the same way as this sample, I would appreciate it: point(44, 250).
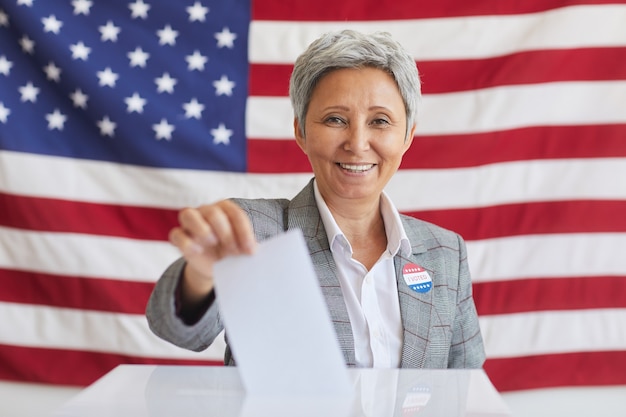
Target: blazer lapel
point(304, 215)
point(415, 307)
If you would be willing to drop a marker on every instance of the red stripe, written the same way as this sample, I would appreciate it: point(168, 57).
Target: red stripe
point(584, 64)
point(55, 215)
point(329, 10)
point(538, 142)
point(558, 370)
point(74, 292)
point(470, 150)
point(549, 294)
point(57, 366)
point(572, 216)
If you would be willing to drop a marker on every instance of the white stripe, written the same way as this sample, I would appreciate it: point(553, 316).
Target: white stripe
point(476, 111)
point(85, 255)
point(530, 256)
point(61, 328)
point(554, 332)
point(511, 182)
point(411, 190)
point(458, 37)
point(107, 182)
point(505, 336)
point(547, 256)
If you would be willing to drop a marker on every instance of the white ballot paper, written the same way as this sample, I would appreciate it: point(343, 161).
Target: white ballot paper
point(277, 322)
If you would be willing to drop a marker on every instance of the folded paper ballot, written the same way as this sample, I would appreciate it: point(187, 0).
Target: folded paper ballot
point(277, 322)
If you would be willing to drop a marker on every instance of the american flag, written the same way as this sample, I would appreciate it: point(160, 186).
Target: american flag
point(115, 114)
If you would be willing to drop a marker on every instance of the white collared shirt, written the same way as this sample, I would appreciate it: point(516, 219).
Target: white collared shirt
point(371, 297)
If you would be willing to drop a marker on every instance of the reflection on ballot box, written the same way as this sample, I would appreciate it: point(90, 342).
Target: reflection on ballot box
point(194, 391)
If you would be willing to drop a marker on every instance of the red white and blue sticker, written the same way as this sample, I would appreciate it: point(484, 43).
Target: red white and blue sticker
point(417, 278)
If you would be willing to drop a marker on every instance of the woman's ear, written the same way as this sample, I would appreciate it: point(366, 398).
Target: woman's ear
point(409, 137)
point(300, 140)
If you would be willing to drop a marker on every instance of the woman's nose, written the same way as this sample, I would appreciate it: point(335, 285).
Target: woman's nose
point(357, 139)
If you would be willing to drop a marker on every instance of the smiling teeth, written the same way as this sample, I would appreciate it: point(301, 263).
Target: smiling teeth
point(356, 168)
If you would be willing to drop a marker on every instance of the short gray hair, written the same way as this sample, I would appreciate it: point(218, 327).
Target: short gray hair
point(351, 49)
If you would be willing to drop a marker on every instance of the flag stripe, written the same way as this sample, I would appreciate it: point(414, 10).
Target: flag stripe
point(97, 294)
point(571, 216)
point(529, 143)
point(97, 256)
point(553, 332)
point(438, 39)
point(474, 223)
point(549, 256)
point(494, 297)
point(484, 186)
point(536, 333)
point(82, 180)
point(445, 76)
point(562, 293)
point(95, 331)
point(50, 366)
point(508, 107)
point(558, 370)
point(55, 215)
point(328, 10)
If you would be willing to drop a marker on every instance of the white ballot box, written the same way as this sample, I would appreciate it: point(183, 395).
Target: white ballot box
point(195, 391)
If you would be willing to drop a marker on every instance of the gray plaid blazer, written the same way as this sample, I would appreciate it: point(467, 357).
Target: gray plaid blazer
point(440, 326)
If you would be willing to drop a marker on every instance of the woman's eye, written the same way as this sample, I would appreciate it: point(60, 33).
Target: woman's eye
point(334, 120)
point(382, 122)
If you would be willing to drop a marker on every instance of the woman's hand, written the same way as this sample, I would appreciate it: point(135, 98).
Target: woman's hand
point(204, 236)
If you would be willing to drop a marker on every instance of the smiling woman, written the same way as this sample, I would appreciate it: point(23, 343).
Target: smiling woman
point(398, 289)
point(355, 137)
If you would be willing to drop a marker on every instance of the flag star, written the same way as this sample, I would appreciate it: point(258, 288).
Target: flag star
point(4, 113)
point(163, 130)
point(79, 99)
point(51, 24)
point(138, 57)
point(193, 109)
point(82, 6)
point(196, 61)
point(5, 65)
point(223, 86)
point(107, 77)
point(197, 12)
point(56, 120)
point(225, 38)
point(27, 44)
point(167, 36)
point(221, 134)
point(80, 51)
point(53, 72)
point(109, 32)
point(165, 83)
point(28, 3)
point(106, 126)
point(139, 9)
point(29, 93)
point(135, 103)
point(4, 19)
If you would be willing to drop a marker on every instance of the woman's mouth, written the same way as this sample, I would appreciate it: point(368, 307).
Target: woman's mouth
point(356, 168)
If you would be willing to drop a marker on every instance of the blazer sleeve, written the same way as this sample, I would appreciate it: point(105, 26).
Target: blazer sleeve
point(165, 322)
point(467, 349)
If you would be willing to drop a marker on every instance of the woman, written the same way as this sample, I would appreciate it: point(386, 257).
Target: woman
point(398, 289)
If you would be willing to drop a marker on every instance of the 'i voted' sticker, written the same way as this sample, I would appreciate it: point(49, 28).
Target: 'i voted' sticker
point(417, 278)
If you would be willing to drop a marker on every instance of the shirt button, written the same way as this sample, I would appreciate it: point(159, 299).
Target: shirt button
point(368, 279)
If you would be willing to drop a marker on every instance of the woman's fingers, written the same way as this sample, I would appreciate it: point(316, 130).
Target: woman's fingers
point(219, 229)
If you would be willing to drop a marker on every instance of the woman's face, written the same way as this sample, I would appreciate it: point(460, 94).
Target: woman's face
point(355, 133)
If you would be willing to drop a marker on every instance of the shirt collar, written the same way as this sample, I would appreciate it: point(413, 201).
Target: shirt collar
point(397, 240)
